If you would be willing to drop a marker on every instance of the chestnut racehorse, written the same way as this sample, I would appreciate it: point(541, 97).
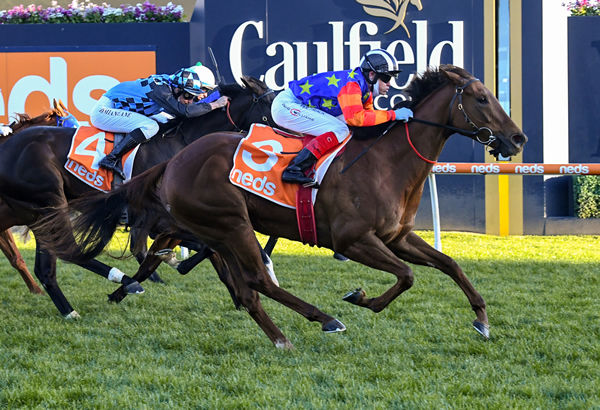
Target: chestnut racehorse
point(365, 207)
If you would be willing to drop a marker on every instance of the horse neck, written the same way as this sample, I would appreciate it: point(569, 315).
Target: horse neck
point(394, 150)
point(428, 140)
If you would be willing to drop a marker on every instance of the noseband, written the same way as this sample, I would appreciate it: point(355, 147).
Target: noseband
point(255, 100)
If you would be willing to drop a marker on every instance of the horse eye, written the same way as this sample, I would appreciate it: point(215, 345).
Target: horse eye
point(482, 100)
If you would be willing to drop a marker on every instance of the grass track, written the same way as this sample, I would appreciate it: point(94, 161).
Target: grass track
point(184, 346)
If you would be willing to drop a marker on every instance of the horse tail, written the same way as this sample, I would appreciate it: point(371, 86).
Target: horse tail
point(99, 215)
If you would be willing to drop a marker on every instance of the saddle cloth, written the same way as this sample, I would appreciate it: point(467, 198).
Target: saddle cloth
point(88, 146)
point(260, 159)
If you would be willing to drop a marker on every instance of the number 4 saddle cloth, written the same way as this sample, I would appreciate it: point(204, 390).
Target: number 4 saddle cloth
point(262, 156)
point(88, 146)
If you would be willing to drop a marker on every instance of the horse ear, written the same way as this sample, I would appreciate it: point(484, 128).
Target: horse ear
point(246, 80)
point(61, 109)
point(455, 78)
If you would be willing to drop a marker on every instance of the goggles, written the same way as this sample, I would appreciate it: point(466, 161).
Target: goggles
point(386, 78)
point(189, 96)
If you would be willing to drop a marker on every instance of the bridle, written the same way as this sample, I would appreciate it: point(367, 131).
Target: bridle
point(471, 134)
point(255, 100)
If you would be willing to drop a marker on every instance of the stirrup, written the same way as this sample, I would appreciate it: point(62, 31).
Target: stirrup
point(114, 167)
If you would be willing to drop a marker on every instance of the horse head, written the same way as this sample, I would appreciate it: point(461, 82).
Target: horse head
point(475, 110)
point(249, 104)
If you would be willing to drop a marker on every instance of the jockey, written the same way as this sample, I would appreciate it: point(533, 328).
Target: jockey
point(324, 104)
point(136, 107)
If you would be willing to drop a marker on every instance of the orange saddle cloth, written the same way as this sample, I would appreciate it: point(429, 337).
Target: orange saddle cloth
point(262, 156)
point(88, 146)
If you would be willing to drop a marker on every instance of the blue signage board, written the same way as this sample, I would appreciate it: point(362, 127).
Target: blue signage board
point(584, 89)
point(279, 41)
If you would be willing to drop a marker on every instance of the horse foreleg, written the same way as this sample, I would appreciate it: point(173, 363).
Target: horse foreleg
point(148, 265)
point(415, 250)
point(141, 255)
point(372, 252)
point(9, 247)
point(45, 270)
point(113, 274)
point(203, 252)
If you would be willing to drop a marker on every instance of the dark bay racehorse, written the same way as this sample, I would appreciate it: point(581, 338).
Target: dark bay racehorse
point(33, 179)
point(366, 213)
point(7, 242)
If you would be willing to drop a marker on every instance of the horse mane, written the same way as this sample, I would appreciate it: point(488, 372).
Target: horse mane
point(249, 82)
point(424, 84)
point(230, 90)
point(25, 121)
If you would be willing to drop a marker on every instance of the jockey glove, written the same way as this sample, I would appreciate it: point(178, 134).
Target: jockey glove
point(403, 114)
point(5, 130)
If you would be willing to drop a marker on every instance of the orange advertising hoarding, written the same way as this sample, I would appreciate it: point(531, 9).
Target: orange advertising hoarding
point(30, 80)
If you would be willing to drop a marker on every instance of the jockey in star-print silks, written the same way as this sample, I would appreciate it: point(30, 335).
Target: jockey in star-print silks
point(324, 104)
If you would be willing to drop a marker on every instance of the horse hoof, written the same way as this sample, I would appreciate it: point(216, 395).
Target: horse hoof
point(354, 296)
point(115, 297)
point(482, 329)
point(333, 326)
point(284, 344)
point(134, 288)
point(340, 257)
point(73, 316)
point(155, 278)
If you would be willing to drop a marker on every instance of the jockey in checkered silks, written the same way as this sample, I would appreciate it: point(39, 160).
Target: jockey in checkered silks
point(136, 107)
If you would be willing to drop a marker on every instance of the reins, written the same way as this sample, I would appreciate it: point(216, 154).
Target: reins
point(471, 134)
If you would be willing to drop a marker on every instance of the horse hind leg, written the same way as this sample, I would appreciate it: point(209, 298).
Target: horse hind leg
point(9, 247)
point(253, 273)
point(250, 299)
point(45, 270)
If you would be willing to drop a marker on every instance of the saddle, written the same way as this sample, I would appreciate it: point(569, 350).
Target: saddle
point(258, 163)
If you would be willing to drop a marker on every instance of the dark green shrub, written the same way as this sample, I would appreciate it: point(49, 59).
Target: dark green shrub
point(586, 190)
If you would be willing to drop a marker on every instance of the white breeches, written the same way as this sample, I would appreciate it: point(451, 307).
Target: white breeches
point(108, 118)
point(290, 113)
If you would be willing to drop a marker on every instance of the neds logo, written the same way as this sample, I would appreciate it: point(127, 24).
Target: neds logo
point(32, 80)
point(443, 169)
point(574, 169)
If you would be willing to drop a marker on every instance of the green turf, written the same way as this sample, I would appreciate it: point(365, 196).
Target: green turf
point(182, 345)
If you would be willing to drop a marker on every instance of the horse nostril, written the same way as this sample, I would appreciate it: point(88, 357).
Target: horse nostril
point(519, 139)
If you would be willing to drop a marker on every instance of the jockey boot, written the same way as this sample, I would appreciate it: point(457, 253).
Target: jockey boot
point(294, 173)
point(307, 157)
point(113, 160)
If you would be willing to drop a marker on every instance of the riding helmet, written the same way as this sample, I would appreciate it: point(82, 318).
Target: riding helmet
point(381, 62)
